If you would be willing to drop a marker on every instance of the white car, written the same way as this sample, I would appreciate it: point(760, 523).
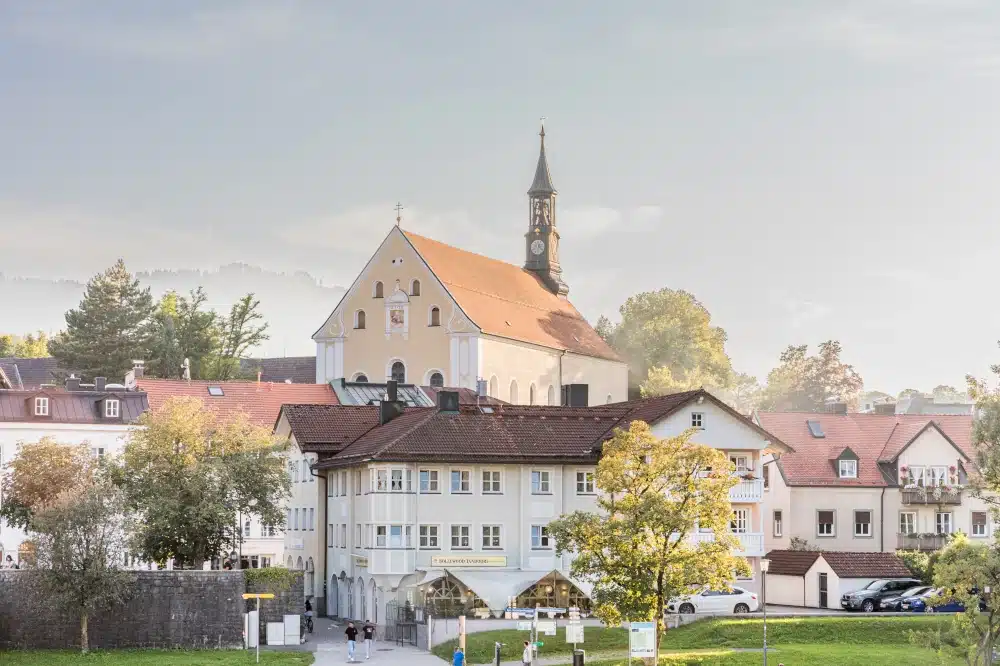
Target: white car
point(736, 600)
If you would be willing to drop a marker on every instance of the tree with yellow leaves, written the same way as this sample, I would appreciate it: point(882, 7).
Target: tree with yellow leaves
point(40, 471)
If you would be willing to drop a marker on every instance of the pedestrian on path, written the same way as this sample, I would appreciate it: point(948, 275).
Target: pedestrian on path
point(352, 637)
point(459, 658)
point(526, 655)
point(369, 633)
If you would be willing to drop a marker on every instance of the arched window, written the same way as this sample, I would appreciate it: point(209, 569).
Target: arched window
point(398, 373)
point(377, 290)
point(531, 395)
point(298, 564)
point(551, 397)
point(415, 288)
point(437, 380)
point(310, 578)
point(362, 597)
point(374, 617)
point(288, 564)
point(435, 317)
point(494, 387)
point(361, 377)
point(513, 392)
point(359, 319)
point(350, 597)
point(333, 598)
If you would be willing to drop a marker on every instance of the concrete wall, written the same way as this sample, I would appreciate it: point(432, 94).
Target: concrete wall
point(166, 609)
point(785, 590)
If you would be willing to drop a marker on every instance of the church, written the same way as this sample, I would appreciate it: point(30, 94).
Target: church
point(424, 312)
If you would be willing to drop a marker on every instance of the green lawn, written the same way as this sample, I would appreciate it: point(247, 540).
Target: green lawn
point(153, 658)
point(807, 655)
point(845, 638)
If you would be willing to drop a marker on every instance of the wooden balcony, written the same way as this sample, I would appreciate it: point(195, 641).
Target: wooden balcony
point(933, 495)
point(921, 541)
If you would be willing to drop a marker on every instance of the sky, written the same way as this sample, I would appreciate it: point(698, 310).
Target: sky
point(809, 170)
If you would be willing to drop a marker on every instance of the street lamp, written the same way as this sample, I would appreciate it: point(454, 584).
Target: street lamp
point(989, 648)
point(765, 564)
point(233, 557)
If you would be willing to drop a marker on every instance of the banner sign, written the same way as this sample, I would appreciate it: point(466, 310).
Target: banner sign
point(469, 561)
point(642, 639)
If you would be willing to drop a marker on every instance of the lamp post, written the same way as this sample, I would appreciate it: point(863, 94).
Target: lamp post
point(764, 566)
point(989, 639)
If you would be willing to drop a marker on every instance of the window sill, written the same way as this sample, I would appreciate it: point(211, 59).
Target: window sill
point(493, 492)
point(548, 493)
point(462, 548)
point(826, 536)
point(579, 494)
point(461, 492)
point(542, 548)
point(429, 548)
point(430, 492)
point(864, 536)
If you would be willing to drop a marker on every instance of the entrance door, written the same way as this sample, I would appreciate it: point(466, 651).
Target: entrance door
point(822, 590)
point(332, 598)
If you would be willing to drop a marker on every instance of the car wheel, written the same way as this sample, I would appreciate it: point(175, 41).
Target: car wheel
point(868, 606)
point(741, 608)
point(686, 609)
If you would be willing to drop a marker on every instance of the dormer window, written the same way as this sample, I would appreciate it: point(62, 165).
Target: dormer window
point(41, 406)
point(848, 469)
point(112, 408)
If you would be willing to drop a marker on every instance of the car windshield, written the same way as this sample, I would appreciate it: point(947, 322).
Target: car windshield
point(874, 585)
point(913, 591)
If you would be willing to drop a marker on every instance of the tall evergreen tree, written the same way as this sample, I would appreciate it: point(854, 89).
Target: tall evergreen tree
point(110, 328)
point(182, 329)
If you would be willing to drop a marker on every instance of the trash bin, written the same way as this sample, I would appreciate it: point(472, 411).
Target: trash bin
point(579, 657)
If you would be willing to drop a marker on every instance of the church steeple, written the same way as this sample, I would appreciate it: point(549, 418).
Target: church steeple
point(542, 240)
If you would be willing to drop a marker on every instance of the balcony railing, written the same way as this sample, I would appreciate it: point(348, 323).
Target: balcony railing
point(747, 490)
point(921, 541)
point(931, 495)
point(751, 543)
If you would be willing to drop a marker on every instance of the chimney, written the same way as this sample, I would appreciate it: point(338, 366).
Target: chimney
point(73, 383)
point(575, 395)
point(448, 401)
point(100, 383)
point(392, 390)
point(481, 388)
point(836, 407)
point(388, 410)
point(139, 368)
point(887, 408)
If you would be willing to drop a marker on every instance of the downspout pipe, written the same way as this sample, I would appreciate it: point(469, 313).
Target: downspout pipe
point(881, 512)
point(323, 530)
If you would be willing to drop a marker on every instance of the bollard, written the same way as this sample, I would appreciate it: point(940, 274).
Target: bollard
point(579, 657)
point(496, 653)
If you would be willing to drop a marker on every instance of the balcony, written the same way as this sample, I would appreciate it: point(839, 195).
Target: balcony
point(747, 491)
point(921, 541)
point(751, 543)
point(931, 495)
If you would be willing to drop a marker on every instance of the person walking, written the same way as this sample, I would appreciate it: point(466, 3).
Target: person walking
point(352, 636)
point(459, 657)
point(526, 654)
point(368, 632)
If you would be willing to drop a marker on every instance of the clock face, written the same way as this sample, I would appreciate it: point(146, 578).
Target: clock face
point(537, 246)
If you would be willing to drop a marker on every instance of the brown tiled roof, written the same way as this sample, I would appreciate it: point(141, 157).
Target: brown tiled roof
point(261, 402)
point(507, 301)
point(791, 562)
point(872, 437)
point(466, 396)
point(82, 407)
point(329, 427)
point(844, 564)
point(297, 369)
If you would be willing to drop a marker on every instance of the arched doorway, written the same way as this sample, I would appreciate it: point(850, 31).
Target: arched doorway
point(333, 598)
point(446, 597)
point(309, 579)
point(374, 617)
point(350, 599)
point(554, 591)
point(288, 563)
point(362, 600)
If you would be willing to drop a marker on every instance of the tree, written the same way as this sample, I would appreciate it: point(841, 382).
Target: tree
point(36, 476)
point(183, 330)
point(636, 550)
point(671, 330)
point(241, 331)
point(188, 474)
point(80, 546)
point(964, 569)
point(943, 393)
point(986, 438)
point(805, 383)
point(110, 328)
point(909, 393)
point(27, 346)
point(742, 392)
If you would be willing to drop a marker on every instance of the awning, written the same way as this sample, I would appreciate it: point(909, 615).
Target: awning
point(496, 588)
point(431, 575)
point(583, 586)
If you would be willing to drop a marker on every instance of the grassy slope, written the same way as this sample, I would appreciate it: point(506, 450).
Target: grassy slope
point(153, 658)
point(809, 655)
point(713, 634)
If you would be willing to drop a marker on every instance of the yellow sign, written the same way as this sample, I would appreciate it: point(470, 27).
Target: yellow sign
point(469, 561)
point(361, 561)
point(259, 596)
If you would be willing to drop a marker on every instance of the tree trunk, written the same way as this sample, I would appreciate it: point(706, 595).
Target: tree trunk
point(84, 638)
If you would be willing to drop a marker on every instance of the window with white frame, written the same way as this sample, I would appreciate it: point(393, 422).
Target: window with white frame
point(765, 472)
point(916, 476)
point(943, 522)
point(366, 536)
point(330, 543)
point(740, 522)
point(429, 536)
point(97, 451)
point(396, 481)
point(331, 485)
point(295, 525)
point(777, 522)
point(357, 483)
point(381, 480)
point(343, 535)
point(491, 481)
point(343, 484)
point(269, 530)
point(863, 523)
point(246, 529)
point(461, 481)
point(585, 483)
point(491, 537)
point(312, 520)
point(979, 524)
point(848, 469)
point(939, 475)
point(541, 483)
point(288, 519)
point(740, 463)
point(907, 522)
point(540, 537)
point(381, 534)
point(41, 406)
point(697, 420)
point(460, 537)
point(395, 536)
point(825, 526)
point(429, 482)
point(112, 408)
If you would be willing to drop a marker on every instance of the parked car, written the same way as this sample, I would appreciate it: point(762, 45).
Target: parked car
point(917, 603)
point(895, 602)
point(736, 600)
point(938, 601)
point(869, 597)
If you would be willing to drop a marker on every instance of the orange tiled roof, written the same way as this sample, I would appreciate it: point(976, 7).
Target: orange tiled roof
point(261, 402)
point(507, 301)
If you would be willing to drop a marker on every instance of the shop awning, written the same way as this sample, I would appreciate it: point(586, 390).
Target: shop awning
point(496, 588)
point(431, 575)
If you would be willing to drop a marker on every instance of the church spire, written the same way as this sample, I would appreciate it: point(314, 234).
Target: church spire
point(542, 184)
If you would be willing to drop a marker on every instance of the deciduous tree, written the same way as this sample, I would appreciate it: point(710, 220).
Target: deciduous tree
point(109, 329)
point(243, 330)
point(25, 346)
point(805, 383)
point(36, 476)
point(188, 473)
point(183, 329)
point(636, 549)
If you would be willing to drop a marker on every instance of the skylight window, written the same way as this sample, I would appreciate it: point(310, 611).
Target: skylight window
point(815, 429)
point(486, 410)
point(215, 391)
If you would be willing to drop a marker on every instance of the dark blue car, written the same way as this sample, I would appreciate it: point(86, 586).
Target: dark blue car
point(920, 603)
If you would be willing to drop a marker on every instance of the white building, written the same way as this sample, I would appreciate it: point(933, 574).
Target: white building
point(449, 506)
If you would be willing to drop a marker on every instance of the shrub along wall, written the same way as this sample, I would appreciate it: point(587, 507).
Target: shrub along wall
point(190, 609)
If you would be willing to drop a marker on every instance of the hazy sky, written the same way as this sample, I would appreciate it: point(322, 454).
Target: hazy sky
point(809, 170)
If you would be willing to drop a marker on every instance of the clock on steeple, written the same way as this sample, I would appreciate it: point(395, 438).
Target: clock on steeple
point(542, 239)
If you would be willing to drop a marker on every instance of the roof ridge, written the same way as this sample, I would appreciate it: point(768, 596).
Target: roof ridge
point(429, 412)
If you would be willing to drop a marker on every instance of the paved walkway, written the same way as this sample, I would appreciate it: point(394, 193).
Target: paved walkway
point(384, 654)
